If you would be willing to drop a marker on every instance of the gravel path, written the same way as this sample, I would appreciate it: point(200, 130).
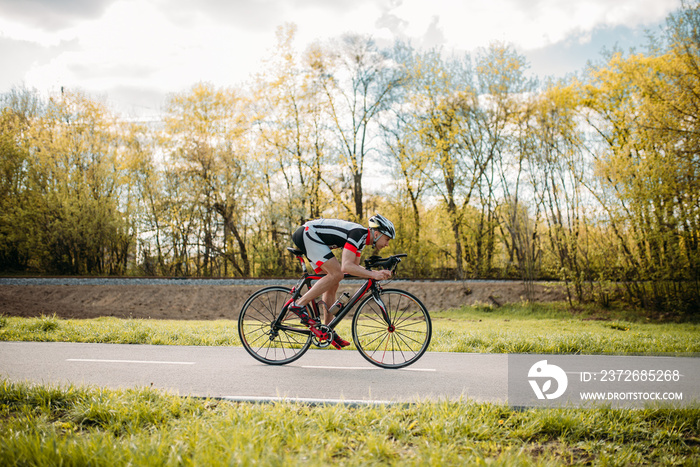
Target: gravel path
point(168, 298)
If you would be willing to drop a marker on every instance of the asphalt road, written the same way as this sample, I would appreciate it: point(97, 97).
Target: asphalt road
point(331, 376)
point(229, 372)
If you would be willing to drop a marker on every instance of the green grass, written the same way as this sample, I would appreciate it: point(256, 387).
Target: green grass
point(51, 425)
point(511, 329)
point(119, 331)
point(553, 329)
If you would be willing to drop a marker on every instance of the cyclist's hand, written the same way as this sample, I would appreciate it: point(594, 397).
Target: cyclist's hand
point(381, 275)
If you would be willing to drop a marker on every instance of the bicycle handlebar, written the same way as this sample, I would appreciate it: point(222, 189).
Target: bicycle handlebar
point(389, 263)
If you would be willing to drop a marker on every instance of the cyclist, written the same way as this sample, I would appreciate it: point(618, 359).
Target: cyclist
point(317, 238)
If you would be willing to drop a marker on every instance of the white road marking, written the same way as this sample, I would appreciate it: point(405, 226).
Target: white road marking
point(302, 400)
point(361, 368)
point(154, 362)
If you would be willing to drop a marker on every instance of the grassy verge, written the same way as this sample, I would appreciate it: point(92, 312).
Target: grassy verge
point(90, 426)
point(552, 328)
point(119, 331)
point(510, 329)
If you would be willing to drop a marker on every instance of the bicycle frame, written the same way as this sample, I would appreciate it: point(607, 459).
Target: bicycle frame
point(306, 281)
point(390, 327)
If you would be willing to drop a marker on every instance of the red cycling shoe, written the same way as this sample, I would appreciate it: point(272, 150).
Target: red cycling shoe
point(338, 342)
point(301, 312)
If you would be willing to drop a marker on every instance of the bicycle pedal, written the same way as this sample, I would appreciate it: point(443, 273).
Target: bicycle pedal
point(338, 342)
point(336, 345)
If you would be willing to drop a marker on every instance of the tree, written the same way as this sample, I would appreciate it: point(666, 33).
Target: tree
point(14, 242)
point(293, 160)
point(357, 79)
point(445, 102)
point(205, 137)
point(494, 140)
point(558, 171)
point(645, 109)
point(74, 183)
point(20, 108)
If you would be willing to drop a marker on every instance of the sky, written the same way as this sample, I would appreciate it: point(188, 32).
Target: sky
point(133, 53)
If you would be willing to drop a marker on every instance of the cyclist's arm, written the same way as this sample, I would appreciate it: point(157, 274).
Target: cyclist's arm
point(351, 265)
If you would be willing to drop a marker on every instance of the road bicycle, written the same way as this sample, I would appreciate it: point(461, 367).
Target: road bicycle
point(390, 327)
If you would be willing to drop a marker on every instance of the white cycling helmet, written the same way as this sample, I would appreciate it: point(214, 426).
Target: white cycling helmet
point(382, 225)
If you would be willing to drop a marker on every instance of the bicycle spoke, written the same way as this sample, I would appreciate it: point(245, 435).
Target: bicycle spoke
point(405, 338)
point(401, 341)
point(262, 338)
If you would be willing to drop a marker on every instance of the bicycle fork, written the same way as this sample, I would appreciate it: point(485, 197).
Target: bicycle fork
point(385, 313)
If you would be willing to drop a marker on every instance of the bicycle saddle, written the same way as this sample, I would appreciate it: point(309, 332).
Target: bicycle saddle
point(295, 251)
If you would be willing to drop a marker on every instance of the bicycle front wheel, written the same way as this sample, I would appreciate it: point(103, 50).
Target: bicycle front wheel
point(393, 331)
point(262, 337)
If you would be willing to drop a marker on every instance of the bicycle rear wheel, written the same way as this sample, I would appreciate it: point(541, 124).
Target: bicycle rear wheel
point(264, 341)
point(398, 340)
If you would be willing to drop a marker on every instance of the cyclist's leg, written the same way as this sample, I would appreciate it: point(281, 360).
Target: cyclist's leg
point(322, 259)
point(329, 299)
point(327, 284)
point(331, 294)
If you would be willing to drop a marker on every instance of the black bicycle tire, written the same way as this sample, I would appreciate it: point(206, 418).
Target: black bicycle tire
point(270, 314)
point(368, 355)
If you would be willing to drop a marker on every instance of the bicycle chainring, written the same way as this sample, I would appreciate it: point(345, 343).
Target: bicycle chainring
point(320, 342)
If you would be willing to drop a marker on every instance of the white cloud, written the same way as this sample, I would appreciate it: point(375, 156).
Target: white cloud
point(28, 33)
point(135, 42)
point(169, 45)
point(324, 23)
point(51, 15)
point(525, 23)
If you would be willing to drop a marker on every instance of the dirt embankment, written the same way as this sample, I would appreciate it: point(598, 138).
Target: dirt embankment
point(206, 302)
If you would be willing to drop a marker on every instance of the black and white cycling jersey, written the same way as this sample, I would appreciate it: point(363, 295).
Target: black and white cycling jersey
point(318, 237)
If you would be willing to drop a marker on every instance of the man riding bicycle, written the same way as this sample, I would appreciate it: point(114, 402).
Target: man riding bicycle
point(317, 238)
